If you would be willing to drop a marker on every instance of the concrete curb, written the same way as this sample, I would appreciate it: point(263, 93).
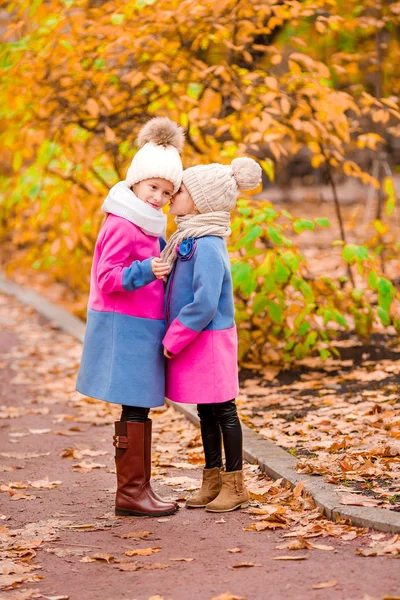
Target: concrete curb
point(272, 459)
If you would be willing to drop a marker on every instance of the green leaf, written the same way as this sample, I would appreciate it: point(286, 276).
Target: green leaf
point(390, 205)
point(259, 303)
point(269, 214)
point(240, 271)
point(287, 214)
point(117, 19)
point(282, 274)
point(324, 353)
point(353, 253)
point(299, 351)
point(304, 327)
point(322, 222)
point(300, 225)
point(275, 235)
point(385, 287)
point(384, 316)
point(251, 236)
point(292, 260)
point(275, 312)
point(373, 280)
point(311, 340)
point(339, 318)
point(66, 45)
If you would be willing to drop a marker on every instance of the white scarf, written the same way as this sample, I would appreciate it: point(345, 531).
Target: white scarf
point(212, 223)
point(122, 202)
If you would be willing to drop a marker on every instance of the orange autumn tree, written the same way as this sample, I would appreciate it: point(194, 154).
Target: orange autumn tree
point(80, 77)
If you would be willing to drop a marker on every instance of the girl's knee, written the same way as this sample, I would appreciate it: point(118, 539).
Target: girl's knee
point(205, 412)
point(226, 413)
point(136, 414)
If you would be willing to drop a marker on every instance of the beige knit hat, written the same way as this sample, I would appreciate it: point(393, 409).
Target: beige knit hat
point(160, 141)
point(216, 187)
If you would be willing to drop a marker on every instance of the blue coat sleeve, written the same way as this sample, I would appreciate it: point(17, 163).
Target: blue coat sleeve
point(208, 277)
point(138, 275)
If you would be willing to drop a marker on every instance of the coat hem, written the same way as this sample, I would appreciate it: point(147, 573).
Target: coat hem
point(125, 402)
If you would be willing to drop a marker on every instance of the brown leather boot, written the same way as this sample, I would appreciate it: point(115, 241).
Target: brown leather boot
point(233, 493)
point(134, 495)
point(209, 490)
point(147, 463)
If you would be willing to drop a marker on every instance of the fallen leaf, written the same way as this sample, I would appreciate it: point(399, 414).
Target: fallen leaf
point(98, 557)
point(20, 496)
point(45, 484)
point(228, 596)
point(356, 500)
point(62, 552)
point(245, 565)
point(39, 431)
point(83, 526)
point(136, 566)
point(86, 466)
point(262, 525)
point(143, 551)
point(324, 585)
point(136, 535)
point(234, 550)
point(23, 455)
point(321, 547)
point(182, 559)
point(163, 520)
point(303, 557)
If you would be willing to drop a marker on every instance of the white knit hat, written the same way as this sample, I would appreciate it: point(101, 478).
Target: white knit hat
point(215, 187)
point(160, 141)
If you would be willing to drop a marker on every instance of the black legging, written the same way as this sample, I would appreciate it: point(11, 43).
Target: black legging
point(215, 418)
point(134, 414)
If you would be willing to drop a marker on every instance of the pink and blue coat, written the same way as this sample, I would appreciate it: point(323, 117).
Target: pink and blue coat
point(201, 331)
point(122, 360)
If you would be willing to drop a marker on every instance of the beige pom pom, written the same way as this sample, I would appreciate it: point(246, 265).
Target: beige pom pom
point(247, 173)
point(162, 132)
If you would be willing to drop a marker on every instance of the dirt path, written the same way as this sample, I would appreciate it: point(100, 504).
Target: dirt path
point(60, 538)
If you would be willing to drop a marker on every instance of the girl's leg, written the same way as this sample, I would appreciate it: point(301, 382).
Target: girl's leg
point(227, 417)
point(233, 492)
point(134, 414)
point(132, 441)
point(212, 444)
point(210, 435)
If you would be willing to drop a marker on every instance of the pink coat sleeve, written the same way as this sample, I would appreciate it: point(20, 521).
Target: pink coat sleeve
point(115, 270)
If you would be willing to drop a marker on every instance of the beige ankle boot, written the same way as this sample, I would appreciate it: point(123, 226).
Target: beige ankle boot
point(210, 489)
point(233, 493)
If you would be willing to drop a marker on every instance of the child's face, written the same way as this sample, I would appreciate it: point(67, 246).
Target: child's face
point(155, 192)
point(182, 203)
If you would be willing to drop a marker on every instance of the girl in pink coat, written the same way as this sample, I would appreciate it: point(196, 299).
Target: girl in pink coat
point(201, 340)
point(122, 360)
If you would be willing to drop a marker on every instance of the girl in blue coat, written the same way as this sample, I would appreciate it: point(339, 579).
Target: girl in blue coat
point(201, 339)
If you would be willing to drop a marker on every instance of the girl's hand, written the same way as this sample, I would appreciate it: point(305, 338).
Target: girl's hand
point(160, 268)
point(168, 354)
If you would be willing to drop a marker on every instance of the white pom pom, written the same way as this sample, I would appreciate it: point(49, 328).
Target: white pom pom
point(247, 173)
point(162, 132)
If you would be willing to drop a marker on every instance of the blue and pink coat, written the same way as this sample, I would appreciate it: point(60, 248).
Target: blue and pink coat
point(201, 331)
point(122, 360)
